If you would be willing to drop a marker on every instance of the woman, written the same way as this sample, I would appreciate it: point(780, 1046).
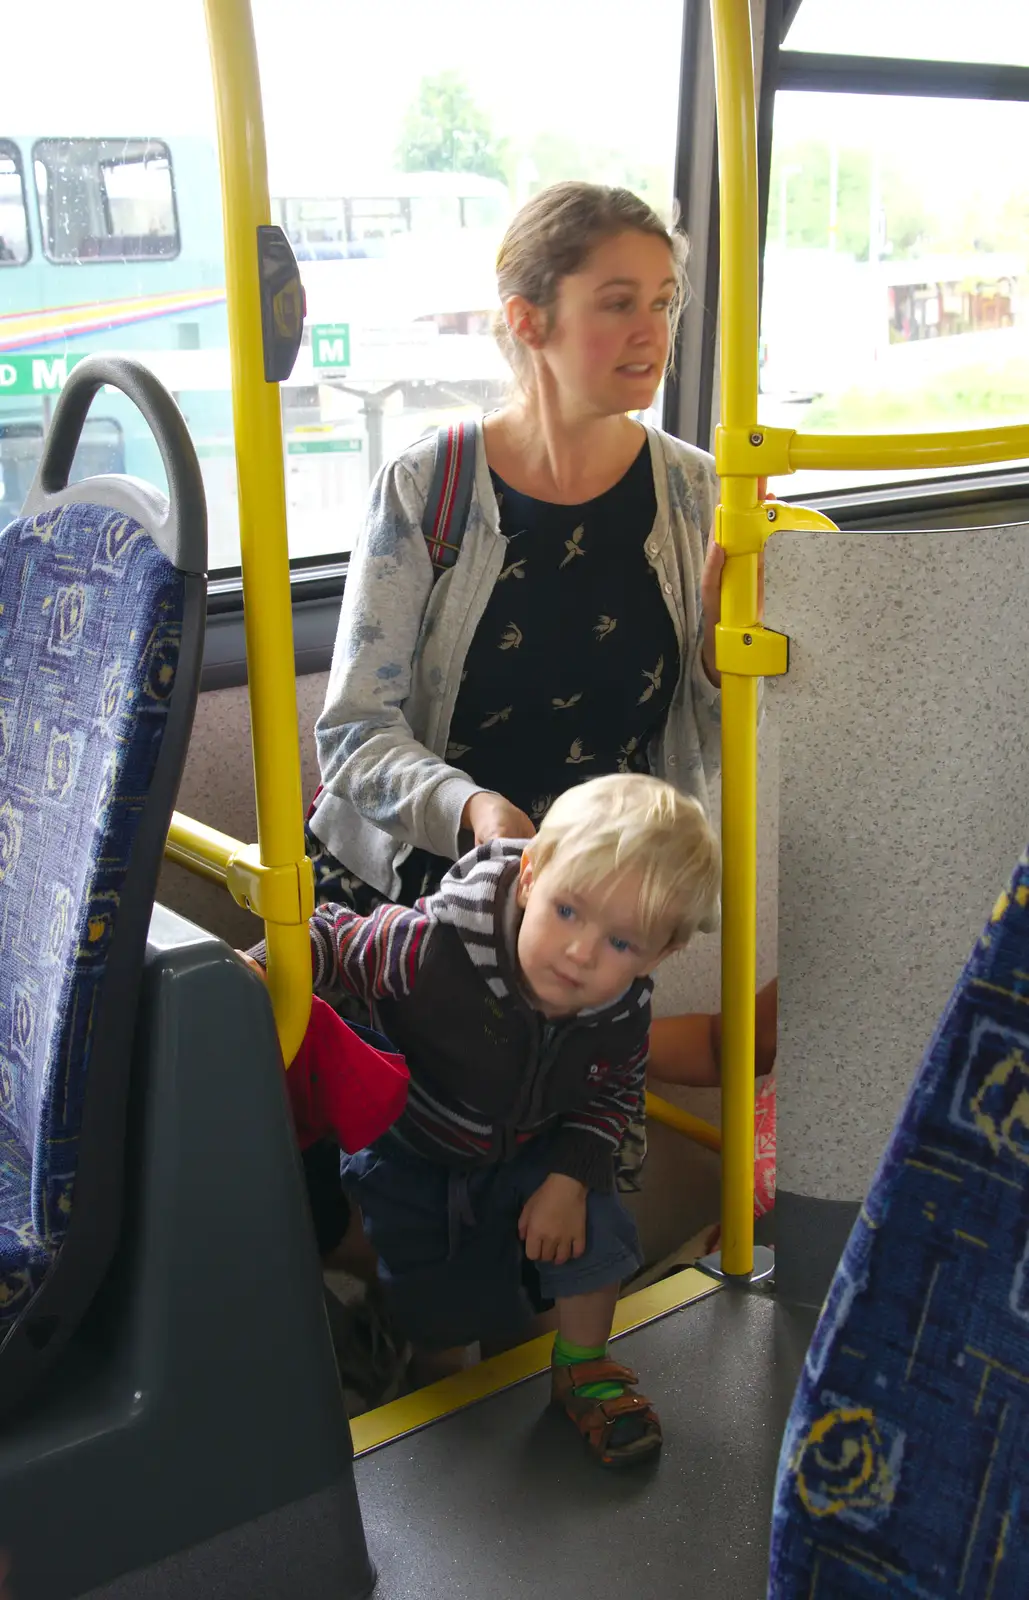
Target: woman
point(575, 633)
point(573, 636)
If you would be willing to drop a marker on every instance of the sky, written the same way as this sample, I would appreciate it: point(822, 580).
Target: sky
point(339, 75)
point(932, 30)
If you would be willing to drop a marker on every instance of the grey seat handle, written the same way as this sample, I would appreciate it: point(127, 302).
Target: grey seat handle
point(176, 523)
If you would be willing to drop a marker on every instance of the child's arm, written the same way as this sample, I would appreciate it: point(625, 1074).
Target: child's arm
point(370, 957)
point(589, 1138)
point(688, 1049)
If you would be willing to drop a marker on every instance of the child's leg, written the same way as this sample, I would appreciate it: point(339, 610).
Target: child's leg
point(585, 1319)
point(620, 1425)
point(597, 1393)
point(354, 1253)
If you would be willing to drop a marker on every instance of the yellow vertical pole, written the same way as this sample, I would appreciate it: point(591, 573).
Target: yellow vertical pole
point(737, 156)
point(262, 503)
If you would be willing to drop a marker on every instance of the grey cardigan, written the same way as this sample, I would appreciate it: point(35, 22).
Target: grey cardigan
point(401, 647)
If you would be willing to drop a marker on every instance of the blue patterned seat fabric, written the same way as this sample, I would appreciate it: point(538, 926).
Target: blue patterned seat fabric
point(90, 629)
point(905, 1465)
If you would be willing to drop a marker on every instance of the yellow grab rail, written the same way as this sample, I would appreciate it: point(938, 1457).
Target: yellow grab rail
point(770, 452)
point(268, 616)
point(745, 650)
point(683, 1122)
point(739, 529)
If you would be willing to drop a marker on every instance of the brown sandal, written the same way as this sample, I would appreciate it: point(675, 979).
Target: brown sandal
point(619, 1431)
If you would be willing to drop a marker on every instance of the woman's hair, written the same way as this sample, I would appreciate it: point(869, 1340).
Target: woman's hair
point(555, 233)
point(632, 823)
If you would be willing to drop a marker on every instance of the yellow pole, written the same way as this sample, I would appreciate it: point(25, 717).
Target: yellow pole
point(737, 157)
point(262, 504)
point(683, 1122)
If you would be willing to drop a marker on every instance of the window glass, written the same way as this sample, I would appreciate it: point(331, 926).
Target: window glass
point(14, 226)
point(430, 160)
point(918, 30)
point(101, 449)
point(896, 295)
point(105, 199)
point(435, 212)
point(482, 210)
point(395, 187)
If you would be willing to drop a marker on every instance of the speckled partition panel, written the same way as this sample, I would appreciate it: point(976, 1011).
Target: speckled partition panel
point(904, 805)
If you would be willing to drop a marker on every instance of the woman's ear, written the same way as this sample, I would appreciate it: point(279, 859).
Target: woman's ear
point(526, 323)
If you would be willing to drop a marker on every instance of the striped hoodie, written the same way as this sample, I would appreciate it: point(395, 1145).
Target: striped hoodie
point(488, 1071)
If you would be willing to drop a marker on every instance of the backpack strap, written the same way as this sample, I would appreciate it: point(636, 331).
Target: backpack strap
point(450, 495)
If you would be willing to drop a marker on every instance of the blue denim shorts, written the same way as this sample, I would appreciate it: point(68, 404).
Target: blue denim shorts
point(450, 1259)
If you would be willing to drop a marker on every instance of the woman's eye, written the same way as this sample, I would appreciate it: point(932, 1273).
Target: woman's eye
point(619, 305)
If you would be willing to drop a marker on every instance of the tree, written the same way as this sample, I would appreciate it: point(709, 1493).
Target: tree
point(445, 131)
point(801, 175)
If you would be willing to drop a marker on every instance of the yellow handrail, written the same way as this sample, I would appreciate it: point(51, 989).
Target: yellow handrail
point(683, 1122)
point(745, 451)
point(262, 518)
point(739, 532)
point(200, 849)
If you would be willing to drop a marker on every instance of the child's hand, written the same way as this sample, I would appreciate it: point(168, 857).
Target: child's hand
point(255, 966)
point(553, 1220)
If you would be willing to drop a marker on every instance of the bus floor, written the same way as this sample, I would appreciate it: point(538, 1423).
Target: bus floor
point(502, 1499)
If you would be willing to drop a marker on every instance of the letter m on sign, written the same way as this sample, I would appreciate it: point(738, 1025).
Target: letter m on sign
point(331, 345)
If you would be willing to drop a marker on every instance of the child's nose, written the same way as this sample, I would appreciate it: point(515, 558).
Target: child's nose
point(583, 950)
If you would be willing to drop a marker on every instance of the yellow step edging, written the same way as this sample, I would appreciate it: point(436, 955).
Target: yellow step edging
point(437, 1400)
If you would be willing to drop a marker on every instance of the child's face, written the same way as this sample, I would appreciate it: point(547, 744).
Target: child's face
point(581, 950)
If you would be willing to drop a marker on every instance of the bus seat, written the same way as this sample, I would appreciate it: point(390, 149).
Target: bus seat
point(905, 1462)
point(102, 606)
point(188, 1435)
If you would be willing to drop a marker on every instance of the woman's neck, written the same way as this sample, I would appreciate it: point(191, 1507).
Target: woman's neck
point(540, 451)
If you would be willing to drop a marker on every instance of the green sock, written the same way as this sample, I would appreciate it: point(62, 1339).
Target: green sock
point(567, 1354)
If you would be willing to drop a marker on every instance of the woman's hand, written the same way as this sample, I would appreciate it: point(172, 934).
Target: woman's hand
point(711, 593)
point(489, 816)
point(553, 1220)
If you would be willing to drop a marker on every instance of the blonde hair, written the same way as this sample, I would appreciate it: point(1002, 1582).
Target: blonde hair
point(634, 823)
point(553, 236)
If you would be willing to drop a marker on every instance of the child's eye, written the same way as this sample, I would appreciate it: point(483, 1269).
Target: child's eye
point(565, 912)
point(621, 945)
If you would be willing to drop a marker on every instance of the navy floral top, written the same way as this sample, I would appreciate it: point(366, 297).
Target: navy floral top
point(575, 660)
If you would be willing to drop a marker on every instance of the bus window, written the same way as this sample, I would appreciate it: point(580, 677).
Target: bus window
point(921, 30)
point(106, 200)
point(14, 222)
point(896, 278)
point(482, 211)
point(377, 219)
point(101, 449)
point(317, 229)
point(435, 213)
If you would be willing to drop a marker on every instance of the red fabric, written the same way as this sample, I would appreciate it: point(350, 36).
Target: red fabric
point(764, 1156)
point(764, 1147)
point(342, 1088)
